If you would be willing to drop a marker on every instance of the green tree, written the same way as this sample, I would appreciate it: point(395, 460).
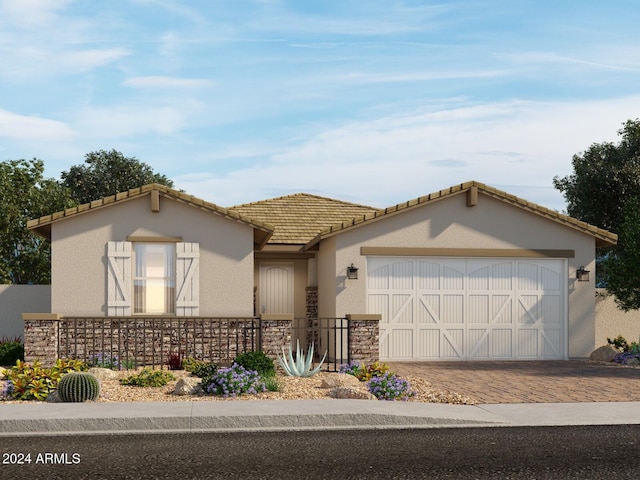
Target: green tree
point(26, 194)
point(603, 178)
point(622, 266)
point(106, 173)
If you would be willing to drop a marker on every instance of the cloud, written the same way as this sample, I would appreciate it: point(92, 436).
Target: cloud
point(167, 82)
point(32, 128)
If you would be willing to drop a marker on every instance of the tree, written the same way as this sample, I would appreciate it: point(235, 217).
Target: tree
point(26, 194)
point(622, 266)
point(603, 178)
point(107, 173)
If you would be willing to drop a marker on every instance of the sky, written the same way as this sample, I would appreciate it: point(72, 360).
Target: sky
point(369, 101)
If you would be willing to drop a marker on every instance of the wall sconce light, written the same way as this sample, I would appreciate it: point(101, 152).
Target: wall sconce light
point(352, 272)
point(582, 275)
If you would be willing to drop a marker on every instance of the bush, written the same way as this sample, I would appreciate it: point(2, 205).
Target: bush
point(390, 387)
point(205, 370)
point(363, 372)
point(148, 378)
point(257, 361)
point(11, 350)
point(174, 362)
point(234, 381)
point(104, 360)
point(34, 382)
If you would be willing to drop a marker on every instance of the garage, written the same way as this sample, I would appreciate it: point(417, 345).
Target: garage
point(436, 308)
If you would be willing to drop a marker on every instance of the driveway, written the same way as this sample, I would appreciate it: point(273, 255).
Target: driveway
point(530, 382)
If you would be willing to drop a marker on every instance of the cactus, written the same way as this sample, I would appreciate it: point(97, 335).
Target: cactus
point(78, 387)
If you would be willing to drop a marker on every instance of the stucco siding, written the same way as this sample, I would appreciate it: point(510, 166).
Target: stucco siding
point(18, 299)
point(331, 280)
point(79, 262)
point(611, 321)
point(491, 224)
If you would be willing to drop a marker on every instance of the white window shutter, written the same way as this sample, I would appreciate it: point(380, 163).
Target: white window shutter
point(187, 279)
point(119, 279)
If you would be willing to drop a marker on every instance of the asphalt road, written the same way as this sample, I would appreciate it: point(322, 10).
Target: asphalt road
point(460, 453)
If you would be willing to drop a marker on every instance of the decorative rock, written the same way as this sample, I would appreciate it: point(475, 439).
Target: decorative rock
point(633, 362)
point(188, 386)
point(53, 397)
point(351, 393)
point(605, 353)
point(340, 380)
point(103, 373)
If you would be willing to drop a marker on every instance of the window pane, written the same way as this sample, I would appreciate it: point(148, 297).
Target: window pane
point(154, 281)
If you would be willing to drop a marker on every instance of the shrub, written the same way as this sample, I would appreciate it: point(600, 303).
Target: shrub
point(148, 378)
point(390, 387)
point(363, 372)
point(174, 362)
point(33, 381)
point(205, 369)
point(257, 361)
point(234, 381)
point(78, 387)
point(11, 350)
point(104, 360)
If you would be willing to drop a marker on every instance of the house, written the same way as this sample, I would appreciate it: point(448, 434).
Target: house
point(469, 272)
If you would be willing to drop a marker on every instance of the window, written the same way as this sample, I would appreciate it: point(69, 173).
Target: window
point(154, 279)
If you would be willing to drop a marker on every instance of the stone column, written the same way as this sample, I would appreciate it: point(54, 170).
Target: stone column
point(41, 337)
point(364, 338)
point(275, 334)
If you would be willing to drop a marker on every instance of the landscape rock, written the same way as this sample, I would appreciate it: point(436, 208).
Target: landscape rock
point(188, 386)
point(103, 373)
point(605, 353)
point(53, 397)
point(351, 393)
point(340, 380)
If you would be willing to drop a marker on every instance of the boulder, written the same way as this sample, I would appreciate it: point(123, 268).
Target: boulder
point(53, 397)
point(103, 373)
point(351, 393)
point(340, 380)
point(605, 353)
point(188, 386)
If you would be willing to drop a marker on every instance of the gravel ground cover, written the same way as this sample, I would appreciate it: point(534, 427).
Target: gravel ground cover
point(291, 388)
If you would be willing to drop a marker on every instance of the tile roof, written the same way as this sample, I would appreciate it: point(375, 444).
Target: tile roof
point(42, 225)
point(298, 218)
point(603, 237)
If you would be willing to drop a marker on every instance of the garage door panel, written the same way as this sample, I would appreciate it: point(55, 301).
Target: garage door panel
point(444, 308)
point(452, 309)
point(478, 309)
point(501, 343)
point(428, 310)
point(452, 343)
point(428, 343)
point(401, 342)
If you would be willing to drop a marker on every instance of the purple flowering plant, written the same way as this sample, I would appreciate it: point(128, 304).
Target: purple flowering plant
point(7, 389)
point(389, 386)
point(235, 381)
point(104, 360)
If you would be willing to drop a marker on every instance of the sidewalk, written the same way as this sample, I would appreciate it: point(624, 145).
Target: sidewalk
point(184, 417)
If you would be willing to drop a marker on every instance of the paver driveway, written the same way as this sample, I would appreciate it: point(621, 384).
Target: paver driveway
point(530, 382)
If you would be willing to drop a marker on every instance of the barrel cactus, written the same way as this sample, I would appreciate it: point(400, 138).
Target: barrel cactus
point(78, 387)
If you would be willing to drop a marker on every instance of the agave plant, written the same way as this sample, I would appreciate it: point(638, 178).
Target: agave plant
point(301, 366)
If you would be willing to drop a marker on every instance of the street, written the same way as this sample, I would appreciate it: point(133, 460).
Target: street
point(478, 453)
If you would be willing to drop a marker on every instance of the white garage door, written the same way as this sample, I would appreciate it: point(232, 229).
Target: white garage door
point(469, 308)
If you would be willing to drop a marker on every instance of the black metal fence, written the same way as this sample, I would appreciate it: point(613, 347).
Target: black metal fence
point(136, 342)
point(328, 335)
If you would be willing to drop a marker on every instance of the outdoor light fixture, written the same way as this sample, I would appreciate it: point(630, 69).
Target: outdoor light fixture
point(352, 272)
point(582, 275)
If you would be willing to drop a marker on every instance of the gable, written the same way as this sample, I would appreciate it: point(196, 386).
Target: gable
point(465, 204)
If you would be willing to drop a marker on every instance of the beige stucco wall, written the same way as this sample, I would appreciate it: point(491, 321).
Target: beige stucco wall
point(449, 223)
point(611, 321)
point(79, 264)
point(18, 299)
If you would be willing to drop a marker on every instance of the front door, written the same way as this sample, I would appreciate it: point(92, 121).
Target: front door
point(276, 288)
